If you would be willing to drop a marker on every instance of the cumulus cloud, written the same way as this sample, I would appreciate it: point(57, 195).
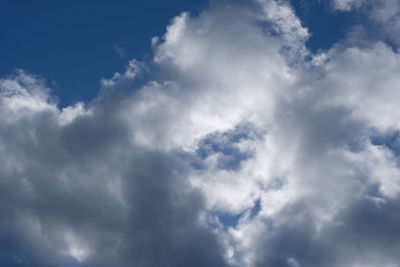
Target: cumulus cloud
point(82, 188)
point(239, 148)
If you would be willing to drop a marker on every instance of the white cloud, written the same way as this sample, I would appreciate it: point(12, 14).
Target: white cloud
point(227, 125)
point(133, 69)
point(383, 16)
point(349, 4)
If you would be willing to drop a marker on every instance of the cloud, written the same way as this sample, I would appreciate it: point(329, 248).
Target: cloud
point(120, 51)
point(133, 69)
point(349, 4)
point(383, 18)
point(235, 146)
point(83, 189)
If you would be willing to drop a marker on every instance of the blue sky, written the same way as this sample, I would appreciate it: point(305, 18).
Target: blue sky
point(327, 26)
point(229, 133)
point(73, 44)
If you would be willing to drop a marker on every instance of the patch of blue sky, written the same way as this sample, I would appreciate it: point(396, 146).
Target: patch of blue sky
point(326, 26)
point(13, 253)
point(232, 220)
point(389, 140)
point(72, 43)
point(71, 262)
point(226, 145)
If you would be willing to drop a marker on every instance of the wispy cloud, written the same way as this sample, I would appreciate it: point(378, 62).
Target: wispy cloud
point(120, 51)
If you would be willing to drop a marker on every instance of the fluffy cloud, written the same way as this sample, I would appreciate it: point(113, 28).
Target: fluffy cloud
point(238, 150)
point(81, 188)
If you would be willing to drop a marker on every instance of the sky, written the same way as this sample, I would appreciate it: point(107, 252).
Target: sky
point(229, 133)
point(76, 43)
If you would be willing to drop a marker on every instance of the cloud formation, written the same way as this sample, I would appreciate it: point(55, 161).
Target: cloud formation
point(238, 147)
